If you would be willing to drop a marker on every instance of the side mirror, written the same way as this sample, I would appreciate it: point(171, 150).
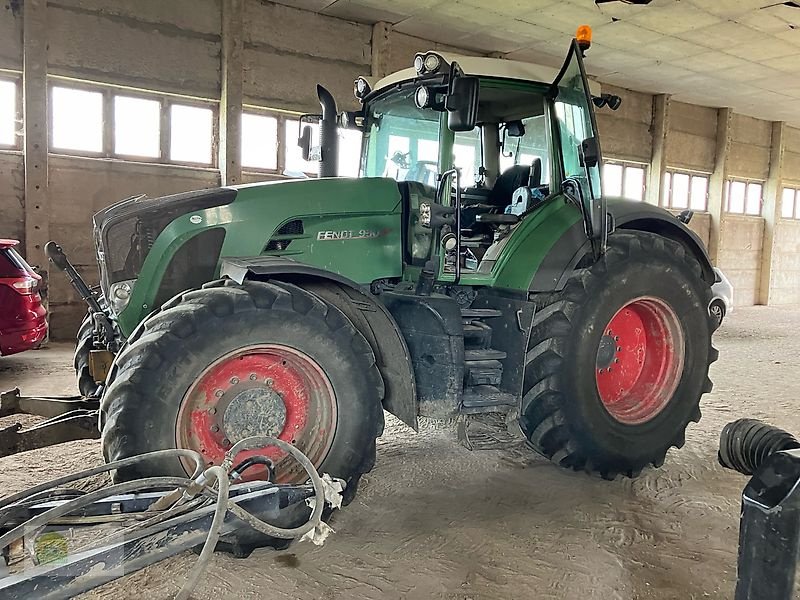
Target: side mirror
point(590, 152)
point(304, 141)
point(462, 104)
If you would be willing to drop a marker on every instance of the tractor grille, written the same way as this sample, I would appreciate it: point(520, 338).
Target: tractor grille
point(281, 239)
point(194, 264)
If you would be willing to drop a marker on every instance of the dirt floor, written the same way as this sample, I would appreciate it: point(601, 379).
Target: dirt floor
point(434, 520)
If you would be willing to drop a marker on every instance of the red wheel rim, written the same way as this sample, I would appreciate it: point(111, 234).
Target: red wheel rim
point(640, 360)
point(260, 390)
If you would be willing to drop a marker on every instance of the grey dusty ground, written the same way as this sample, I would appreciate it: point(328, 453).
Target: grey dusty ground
point(434, 520)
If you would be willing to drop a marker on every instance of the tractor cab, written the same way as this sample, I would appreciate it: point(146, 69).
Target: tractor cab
point(477, 146)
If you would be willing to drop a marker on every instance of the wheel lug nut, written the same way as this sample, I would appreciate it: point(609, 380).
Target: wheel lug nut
point(219, 393)
point(252, 376)
point(215, 428)
point(616, 360)
point(619, 349)
point(268, 381)
point(226, 442)
point(212, 411)
point(616, 338)
point(234, 380)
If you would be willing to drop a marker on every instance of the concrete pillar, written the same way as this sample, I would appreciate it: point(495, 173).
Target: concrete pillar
point(232, 97)
point(772, 209)
point(380, 49)
point(658, 156)
point(34, 83)
point(716, 184)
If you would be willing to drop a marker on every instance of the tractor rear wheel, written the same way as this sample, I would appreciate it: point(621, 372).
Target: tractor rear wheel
point(86, 383)
point(230, 361)
point(618, 360)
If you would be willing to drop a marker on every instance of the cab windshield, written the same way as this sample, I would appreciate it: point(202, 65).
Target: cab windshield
point(402, 141)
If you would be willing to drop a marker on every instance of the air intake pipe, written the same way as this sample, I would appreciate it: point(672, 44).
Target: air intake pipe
point(328, 134)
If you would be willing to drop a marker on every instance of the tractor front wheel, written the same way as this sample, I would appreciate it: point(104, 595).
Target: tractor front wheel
point(618, 360)
point(86, 383)
point(231, 361)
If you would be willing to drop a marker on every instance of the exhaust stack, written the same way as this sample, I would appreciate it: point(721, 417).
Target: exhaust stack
point(328, 135)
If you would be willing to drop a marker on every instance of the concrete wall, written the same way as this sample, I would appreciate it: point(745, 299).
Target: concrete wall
point(12, 196)
point(626, 133)
point(740, 244)
point(176, 47)
point(750, 147)
point(287, 52)
point(691, 137)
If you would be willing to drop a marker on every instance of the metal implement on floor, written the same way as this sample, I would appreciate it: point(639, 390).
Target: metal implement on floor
point(68, 418)
point(769, 532)
point(58, 541)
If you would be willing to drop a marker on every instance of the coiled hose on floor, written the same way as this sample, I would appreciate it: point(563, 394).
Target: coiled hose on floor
point(213, 479)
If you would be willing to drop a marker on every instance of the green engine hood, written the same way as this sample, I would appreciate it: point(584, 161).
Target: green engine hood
point(351, 227)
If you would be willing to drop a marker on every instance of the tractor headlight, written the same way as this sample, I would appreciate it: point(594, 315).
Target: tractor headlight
point(419, 64)
point(422, 97)
point(432, 62)
point(361, 88)
point(120, 294)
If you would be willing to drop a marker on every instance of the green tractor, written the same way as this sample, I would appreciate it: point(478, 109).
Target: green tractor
point(473, 269)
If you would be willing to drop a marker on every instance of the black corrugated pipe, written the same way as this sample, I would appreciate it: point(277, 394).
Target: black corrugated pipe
point(745, 444)
point(328, 134)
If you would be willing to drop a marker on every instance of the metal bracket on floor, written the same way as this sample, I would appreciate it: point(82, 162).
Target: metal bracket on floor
point(63, 573)
point(769, 531)
point(68, 418)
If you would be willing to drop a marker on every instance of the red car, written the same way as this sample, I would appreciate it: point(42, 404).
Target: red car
point(23, 318)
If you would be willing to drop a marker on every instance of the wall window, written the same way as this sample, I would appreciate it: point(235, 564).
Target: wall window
point(259, 141)
point(137, 127)
point(625, 180)
point(77, 120)
point(790, 203)
point(191, 136)
point(8, 113)
point(349, 159)
point(349, 152)
point(107, 121)
point(744, 197)
point(684, 190)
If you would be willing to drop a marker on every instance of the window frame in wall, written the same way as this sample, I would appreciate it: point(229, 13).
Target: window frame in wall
point(667, 191)
point(795, 212)
point(747, 183)
point(284, 139)
point(628, 164)
point(166, 101)
point(15, 78)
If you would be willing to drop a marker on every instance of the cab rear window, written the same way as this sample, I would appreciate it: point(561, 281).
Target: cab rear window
point(12, 264)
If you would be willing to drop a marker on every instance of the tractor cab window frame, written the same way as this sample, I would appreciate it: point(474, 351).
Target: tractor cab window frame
point(410, 146)
point(573, 121)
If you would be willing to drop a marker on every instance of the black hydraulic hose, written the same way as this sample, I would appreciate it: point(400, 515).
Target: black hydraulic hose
point(745, 444)
point(238, 470)
point(125, 462)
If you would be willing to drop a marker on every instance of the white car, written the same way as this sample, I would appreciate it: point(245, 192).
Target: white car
point(722, 302)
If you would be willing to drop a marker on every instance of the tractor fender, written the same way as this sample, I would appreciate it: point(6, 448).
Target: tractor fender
point(366, 313)
point(573, 246)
